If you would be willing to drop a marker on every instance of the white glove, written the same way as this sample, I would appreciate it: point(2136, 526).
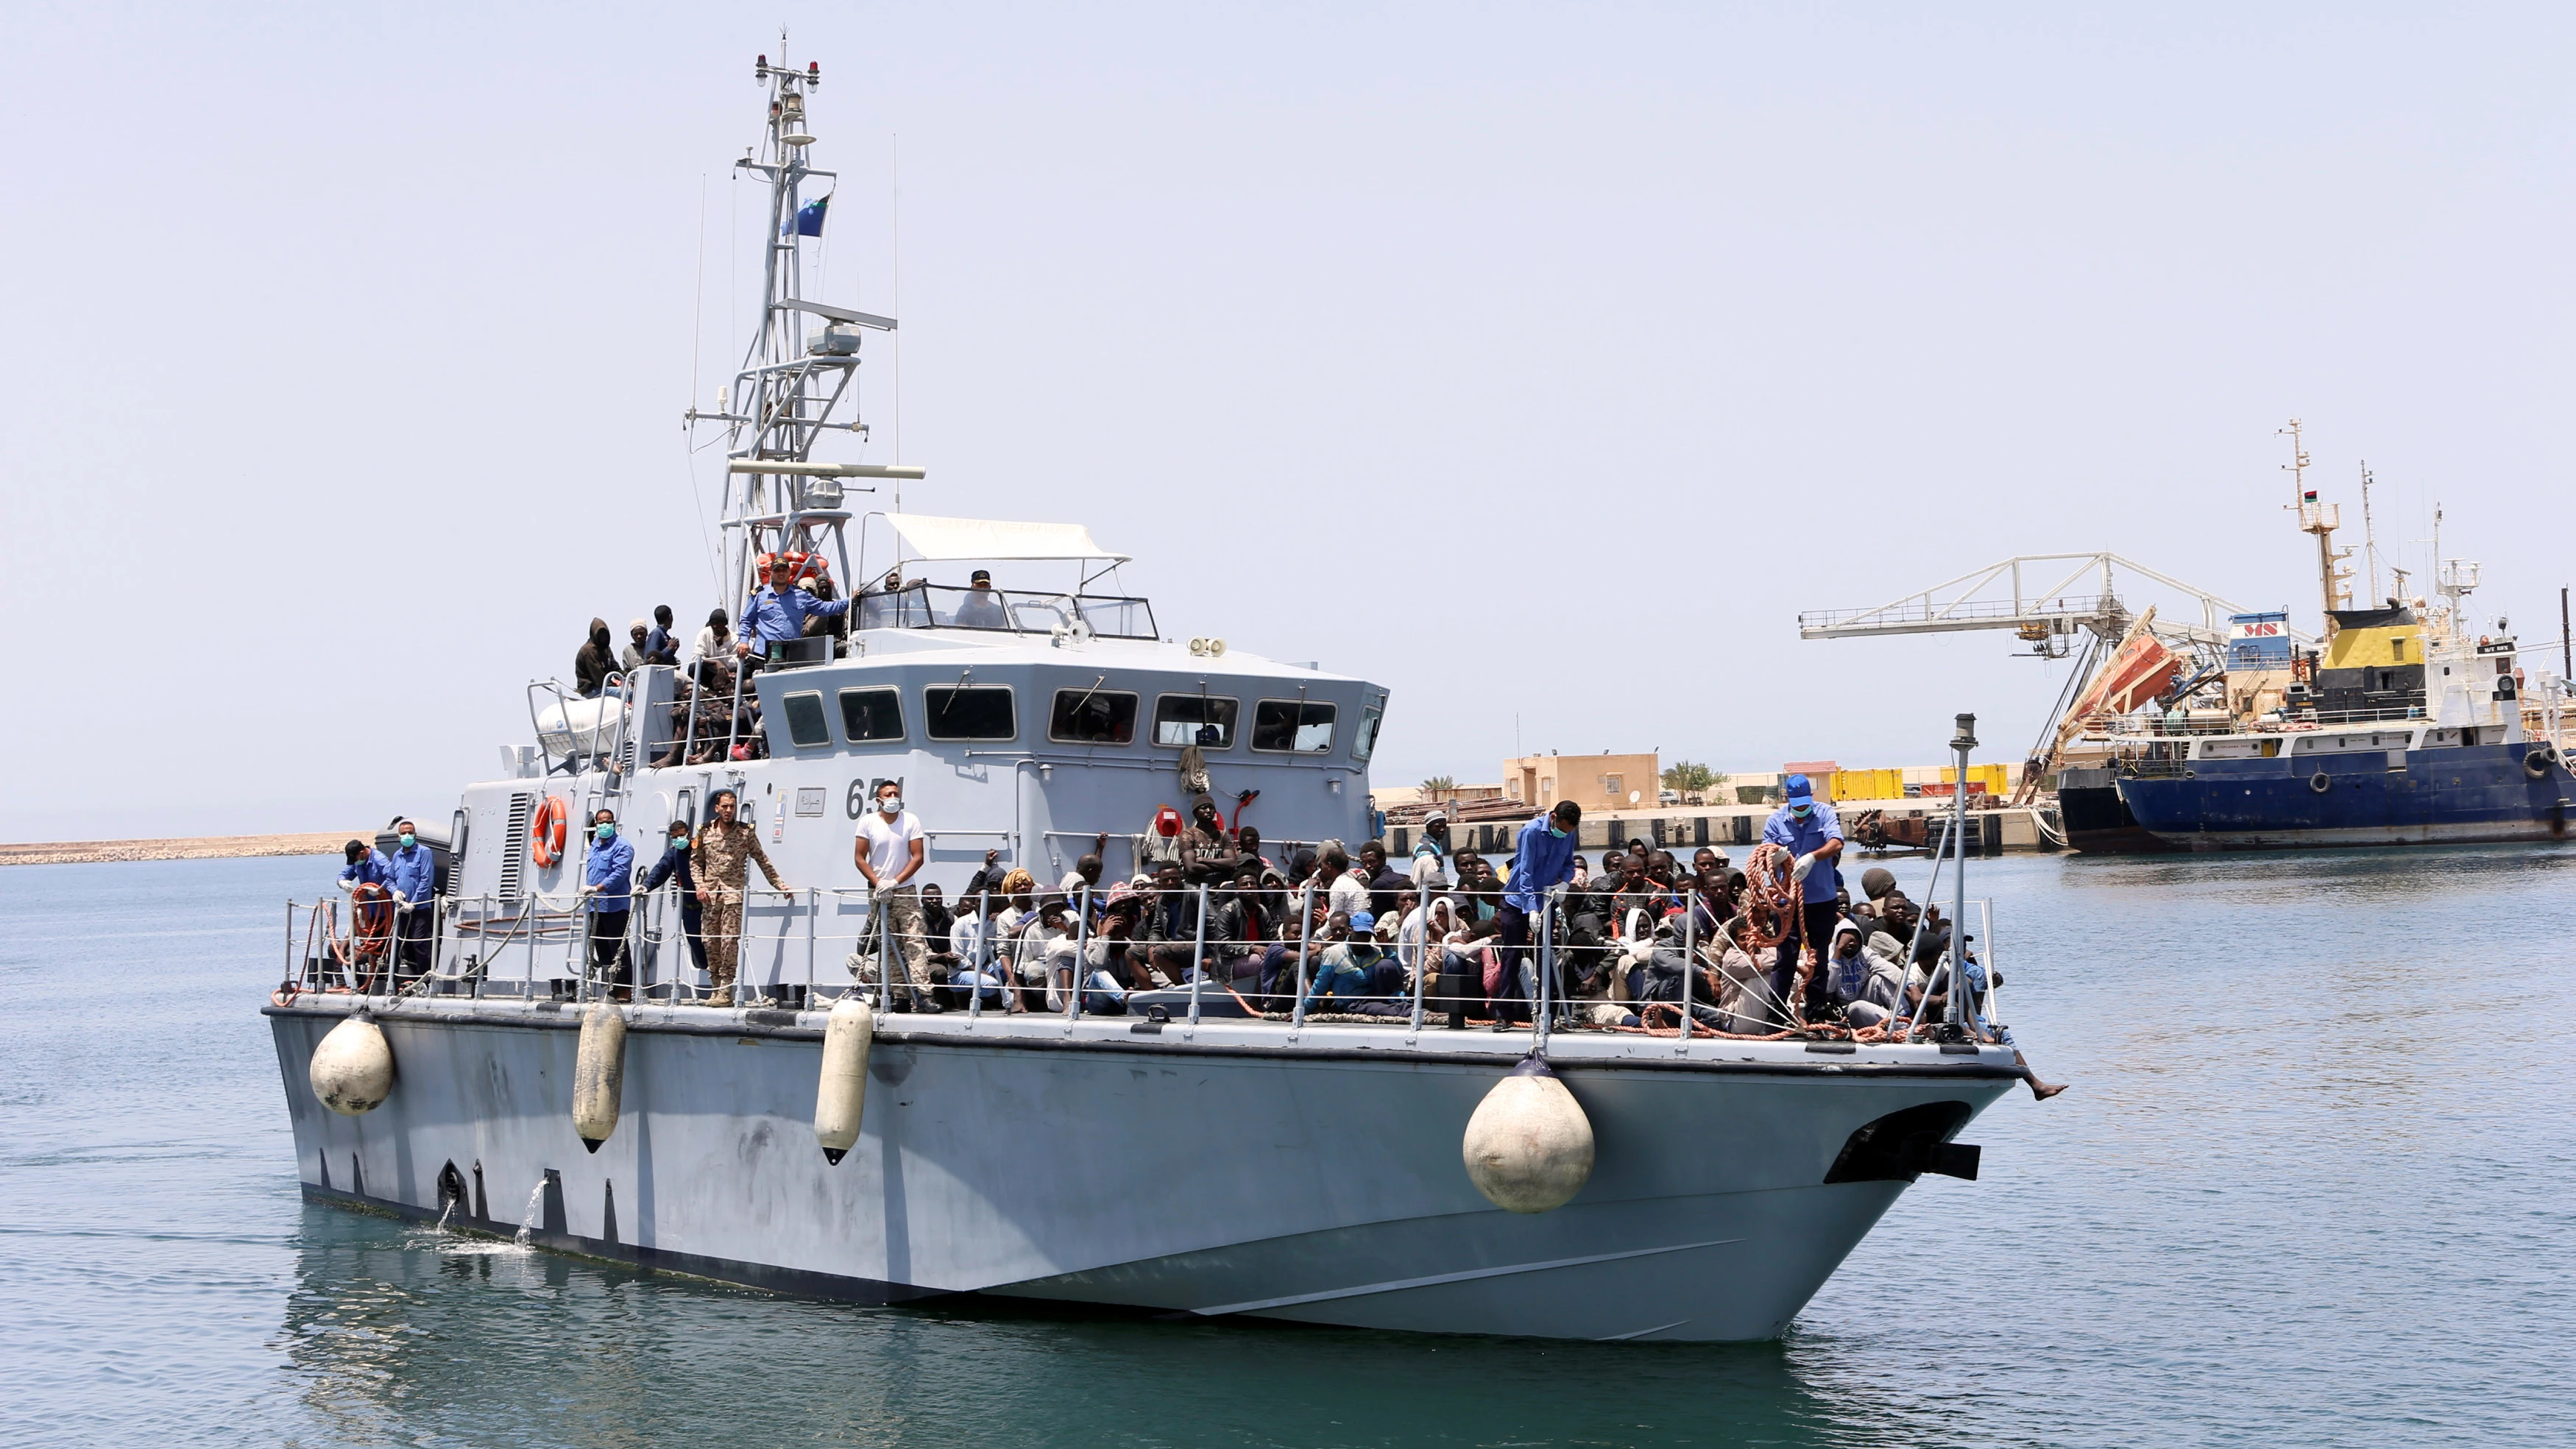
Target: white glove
point(400, 899)
point(1806, 863)
point(347, 884)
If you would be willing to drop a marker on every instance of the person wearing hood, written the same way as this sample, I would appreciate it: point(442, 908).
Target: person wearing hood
point(594, 661)
point(1863, 986)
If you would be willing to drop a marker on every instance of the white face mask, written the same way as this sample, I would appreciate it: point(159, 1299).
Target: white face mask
point(890, 805)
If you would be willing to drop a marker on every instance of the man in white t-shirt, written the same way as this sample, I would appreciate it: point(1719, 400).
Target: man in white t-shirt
point(888, 852)
point(1343, 890)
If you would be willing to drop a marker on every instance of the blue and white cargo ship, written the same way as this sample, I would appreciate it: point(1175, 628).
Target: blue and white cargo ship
point(2400, 735)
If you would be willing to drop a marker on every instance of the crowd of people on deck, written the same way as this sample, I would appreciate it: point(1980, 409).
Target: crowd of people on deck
point(1636, 940)
point(1359, 936)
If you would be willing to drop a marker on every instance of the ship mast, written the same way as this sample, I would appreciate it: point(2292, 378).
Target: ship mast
point(2369, 537)
point(803, 361)
point(2321, 519)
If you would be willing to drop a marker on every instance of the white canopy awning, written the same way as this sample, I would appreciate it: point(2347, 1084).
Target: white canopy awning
point(938, 540)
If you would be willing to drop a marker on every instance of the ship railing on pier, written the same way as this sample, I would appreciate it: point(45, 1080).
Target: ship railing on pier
point(805, 948)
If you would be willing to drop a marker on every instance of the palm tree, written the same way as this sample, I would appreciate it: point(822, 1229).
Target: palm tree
point(1438, 786)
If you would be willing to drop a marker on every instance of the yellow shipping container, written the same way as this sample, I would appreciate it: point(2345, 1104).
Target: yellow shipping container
point(1868, 785)
point(1996, 778)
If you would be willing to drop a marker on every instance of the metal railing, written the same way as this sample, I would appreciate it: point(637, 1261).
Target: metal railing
point(944, 606)
point(1183, 953)
point(2297, 722)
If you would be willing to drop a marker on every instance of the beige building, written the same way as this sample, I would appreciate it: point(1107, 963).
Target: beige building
point(1595, 782)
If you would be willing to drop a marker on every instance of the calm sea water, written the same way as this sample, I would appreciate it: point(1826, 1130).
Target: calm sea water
point(2313, 1186)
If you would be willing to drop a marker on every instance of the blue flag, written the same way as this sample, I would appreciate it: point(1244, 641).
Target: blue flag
point(809, 218)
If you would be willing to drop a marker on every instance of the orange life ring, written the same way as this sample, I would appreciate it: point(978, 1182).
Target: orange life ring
point(805, 565)
point(546, 832)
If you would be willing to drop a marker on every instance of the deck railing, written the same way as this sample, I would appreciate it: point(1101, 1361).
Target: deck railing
point(806, 947)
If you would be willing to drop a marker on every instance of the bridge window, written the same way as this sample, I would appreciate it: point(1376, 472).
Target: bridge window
point(1093, 717)
point(871, 715)
point(975, 712)
point(806, 727)
point(1288, 726)
point(1180, 719)
point(1365, 741)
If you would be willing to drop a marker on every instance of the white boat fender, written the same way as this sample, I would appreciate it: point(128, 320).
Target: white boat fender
point(598, 1074)
point(353, 1066)
point(843, 1092)
point(1529, 1146)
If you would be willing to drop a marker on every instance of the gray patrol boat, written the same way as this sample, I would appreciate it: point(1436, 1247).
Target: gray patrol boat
point(1194, 1156)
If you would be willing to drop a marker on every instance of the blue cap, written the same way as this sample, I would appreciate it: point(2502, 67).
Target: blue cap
point(1363, 921)
point(1799, 791)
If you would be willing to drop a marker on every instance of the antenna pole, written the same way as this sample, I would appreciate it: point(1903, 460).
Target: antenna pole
point(2369, 536)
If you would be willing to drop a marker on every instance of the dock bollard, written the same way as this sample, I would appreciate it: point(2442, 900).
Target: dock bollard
point(1529, 1146)
point(353, 1066)
point(598, 1074)
point(842, 1094)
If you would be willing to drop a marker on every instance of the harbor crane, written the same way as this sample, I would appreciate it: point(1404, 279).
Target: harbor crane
point(2050, 601)
point(2046, 599)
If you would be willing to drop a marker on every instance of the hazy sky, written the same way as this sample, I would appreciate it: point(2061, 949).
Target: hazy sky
point(1540, 363)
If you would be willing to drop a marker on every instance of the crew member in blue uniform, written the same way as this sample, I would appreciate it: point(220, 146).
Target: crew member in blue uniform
point(367, 866)
point(1810, 831)
point(607, 881)
point(775, 617)
point(1543, 858)
point(413, 877)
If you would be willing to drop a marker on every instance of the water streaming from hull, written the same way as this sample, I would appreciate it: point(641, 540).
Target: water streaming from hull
point(536, 1204)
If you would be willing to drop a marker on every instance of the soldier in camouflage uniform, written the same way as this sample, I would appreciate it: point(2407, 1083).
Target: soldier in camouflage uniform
point(722, 860)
